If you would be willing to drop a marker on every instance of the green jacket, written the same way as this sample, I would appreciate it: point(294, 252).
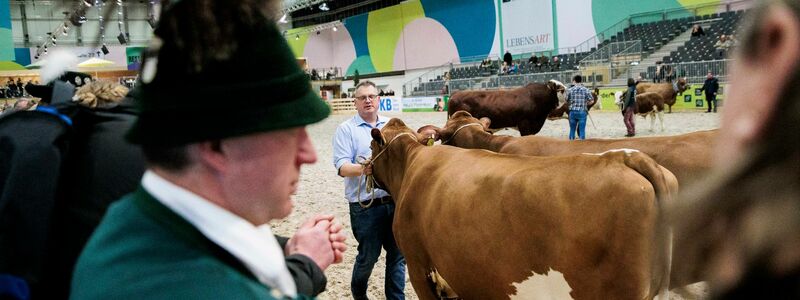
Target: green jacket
point(143, 250)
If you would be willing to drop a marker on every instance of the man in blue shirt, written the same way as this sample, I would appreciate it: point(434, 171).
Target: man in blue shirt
point(578, 98)
point(371, 218)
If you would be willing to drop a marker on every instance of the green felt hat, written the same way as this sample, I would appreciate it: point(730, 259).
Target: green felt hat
point(258, 88)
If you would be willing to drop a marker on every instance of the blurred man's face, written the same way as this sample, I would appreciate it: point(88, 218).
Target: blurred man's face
point(263, 171)
point(709, 76)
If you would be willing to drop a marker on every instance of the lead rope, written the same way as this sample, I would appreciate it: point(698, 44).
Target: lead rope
point(369, 184)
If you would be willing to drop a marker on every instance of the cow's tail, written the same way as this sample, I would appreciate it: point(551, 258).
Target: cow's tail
point(665, 185)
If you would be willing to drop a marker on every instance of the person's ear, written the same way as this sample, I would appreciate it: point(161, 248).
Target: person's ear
point(211, 155)
point(774, 61)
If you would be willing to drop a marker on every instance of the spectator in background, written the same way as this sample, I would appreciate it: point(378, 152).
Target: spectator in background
point(721, 47)
point(734, 41)
point(314, 74)
point(20, 86)
point(507, 58)
point(578, 99)
point(669, 72)
point(504, 69)
point(544, 62)
point(711, 87)
point(512, 69)
point(533, 60)
point(659, 72)
point(629, 108)
point(697, 30)
point(556, 65)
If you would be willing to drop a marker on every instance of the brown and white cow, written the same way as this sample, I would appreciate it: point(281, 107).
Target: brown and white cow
point(481, 225)
point(688, 156)
point(647, 104)
point(525, 108)
point(668, 91)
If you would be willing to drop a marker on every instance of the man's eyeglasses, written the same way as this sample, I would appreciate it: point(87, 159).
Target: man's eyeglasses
point(364, 98)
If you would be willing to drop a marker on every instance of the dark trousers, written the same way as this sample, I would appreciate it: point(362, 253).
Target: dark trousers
point(372, 228)
point(628, 119)
point(712, 102)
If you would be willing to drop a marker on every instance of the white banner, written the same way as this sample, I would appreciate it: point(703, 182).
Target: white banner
point(420, 103)
point(527, 25)
point(390, 104)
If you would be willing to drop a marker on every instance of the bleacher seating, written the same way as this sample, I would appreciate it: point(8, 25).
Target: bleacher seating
point(702, 48)
point(653, 35)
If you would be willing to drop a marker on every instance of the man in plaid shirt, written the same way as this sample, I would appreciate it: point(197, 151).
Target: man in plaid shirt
point(578, 98)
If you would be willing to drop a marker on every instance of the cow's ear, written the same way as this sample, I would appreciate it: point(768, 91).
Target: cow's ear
point(377, 136)
point(430, 131)
point(485, 121)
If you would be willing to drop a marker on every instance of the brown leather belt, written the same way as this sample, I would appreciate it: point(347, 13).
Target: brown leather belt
point(378, 201)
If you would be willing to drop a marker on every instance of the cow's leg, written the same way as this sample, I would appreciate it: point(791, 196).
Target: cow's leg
point(653, 121)
point(525, 128)
point(661, 119)
point(424, 288)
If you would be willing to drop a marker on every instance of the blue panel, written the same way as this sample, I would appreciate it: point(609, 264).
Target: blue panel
point(357, 26)
point(23, 56)
point(5, 14)
point(471, 23)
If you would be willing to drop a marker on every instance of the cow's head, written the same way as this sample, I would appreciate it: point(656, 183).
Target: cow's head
point(461, 124)
point(682, 85)
point(560, 89)
point(385, 144)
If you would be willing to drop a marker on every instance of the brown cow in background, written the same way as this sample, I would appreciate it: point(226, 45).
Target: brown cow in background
point(525, 108)
point(668, 91)
point(475, 224)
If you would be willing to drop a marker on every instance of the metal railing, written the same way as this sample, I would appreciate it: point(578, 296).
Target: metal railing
point(429, 83)
point(325, 73)
point(509, 81)
point(695, 72)
point(618, 52)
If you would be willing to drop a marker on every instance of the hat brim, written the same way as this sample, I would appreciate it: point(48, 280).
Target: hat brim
point(193, 126)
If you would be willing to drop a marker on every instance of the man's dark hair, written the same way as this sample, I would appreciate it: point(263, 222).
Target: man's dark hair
point(170, 158)
point(631, 82)
point(578, 78)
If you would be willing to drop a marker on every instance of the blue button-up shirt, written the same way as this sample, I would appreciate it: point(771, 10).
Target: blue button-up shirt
point(352, 139)
point(578, 96)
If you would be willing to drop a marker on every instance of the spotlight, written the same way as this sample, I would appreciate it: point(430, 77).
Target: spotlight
point(324, 6)
point(334, 29)
point(297, 37)
point(283, 20)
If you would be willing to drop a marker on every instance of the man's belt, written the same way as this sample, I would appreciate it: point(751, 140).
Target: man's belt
point(378, 201)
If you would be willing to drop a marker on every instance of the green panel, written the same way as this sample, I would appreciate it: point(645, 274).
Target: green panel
point(609, 12)
point(704, 10)
point(297, 41)
point(6, 45)
point(384, 28)
point(363, 64)
point(607, 98)
point(10, 66)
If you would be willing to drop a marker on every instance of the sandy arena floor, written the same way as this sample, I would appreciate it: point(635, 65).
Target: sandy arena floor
point(322, 191)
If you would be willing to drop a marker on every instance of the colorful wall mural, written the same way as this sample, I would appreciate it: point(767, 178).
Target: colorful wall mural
point(427, 33)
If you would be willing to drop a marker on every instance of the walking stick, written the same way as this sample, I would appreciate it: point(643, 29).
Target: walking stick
point(590, 119)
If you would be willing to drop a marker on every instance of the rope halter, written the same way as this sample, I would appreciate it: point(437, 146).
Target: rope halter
point(459, 129)
point(370, 183)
